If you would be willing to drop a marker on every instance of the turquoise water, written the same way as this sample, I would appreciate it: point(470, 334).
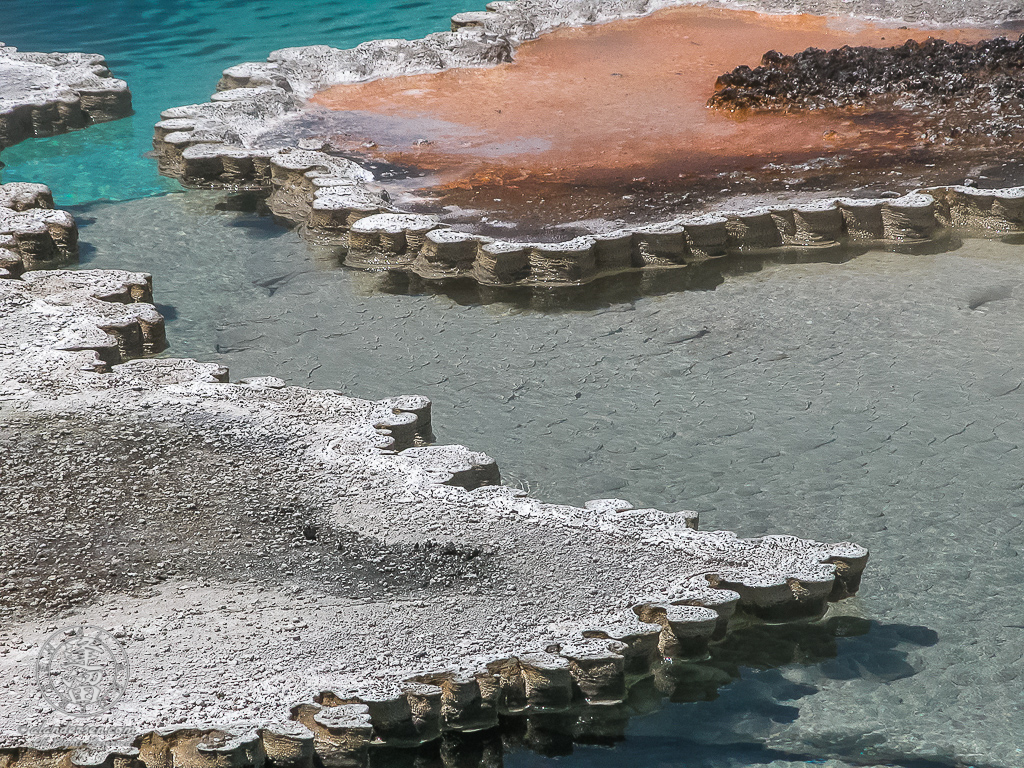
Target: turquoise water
point(172, 53)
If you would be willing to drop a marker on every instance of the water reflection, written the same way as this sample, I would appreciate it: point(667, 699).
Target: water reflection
point(707, 712)
point(607, 291)
point(621, 288)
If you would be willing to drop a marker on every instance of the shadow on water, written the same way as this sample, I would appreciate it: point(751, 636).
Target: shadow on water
point(86, 252)
point(169, 311)
point(254, 202)
point(710, 712)
point(621, 288)
point(252, 216)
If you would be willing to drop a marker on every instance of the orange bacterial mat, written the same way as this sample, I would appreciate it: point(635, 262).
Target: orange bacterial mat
point(602, 109)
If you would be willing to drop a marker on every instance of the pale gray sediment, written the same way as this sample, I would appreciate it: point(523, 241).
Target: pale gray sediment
point(483, 601)
point(257, 132)
point(44, 94)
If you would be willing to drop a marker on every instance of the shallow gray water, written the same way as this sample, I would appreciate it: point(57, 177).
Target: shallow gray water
point(878, 400)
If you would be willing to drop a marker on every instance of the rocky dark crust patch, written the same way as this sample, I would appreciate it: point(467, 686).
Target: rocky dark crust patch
point(44, 94)
point(976, 89)
point(119, 518)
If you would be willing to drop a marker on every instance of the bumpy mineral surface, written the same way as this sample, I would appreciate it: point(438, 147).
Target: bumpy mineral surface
point(298, 575)
point(979, 88)
point(43, 94)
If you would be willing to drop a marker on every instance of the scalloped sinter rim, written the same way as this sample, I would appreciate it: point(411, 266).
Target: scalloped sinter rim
point(44, 94)
point(64, 335)
point(33, 235)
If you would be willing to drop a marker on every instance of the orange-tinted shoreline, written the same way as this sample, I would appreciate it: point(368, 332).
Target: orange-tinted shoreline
point(617, 104)
point(622, 94)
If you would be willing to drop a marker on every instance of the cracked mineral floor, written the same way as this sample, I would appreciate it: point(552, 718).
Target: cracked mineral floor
point(875, 396)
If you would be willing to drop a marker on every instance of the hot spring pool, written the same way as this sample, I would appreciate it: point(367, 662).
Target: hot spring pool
point(877, 397)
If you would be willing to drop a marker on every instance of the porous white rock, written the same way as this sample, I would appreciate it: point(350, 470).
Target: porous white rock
point(43, 94)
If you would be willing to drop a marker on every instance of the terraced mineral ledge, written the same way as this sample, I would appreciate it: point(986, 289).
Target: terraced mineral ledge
point(453, 102)
point(367, 590)
point(297, 575)
point(43, 94)
point(33, 235)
